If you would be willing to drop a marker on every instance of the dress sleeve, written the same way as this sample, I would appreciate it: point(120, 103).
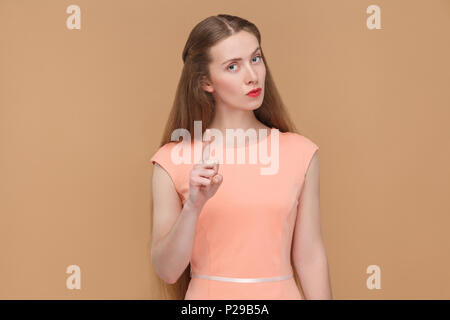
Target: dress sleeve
point(163, 158)
point(309, 149)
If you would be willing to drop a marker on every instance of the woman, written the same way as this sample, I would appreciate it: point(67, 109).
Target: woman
point(237, 233)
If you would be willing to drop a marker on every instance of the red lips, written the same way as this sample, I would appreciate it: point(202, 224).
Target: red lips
point(254, 91)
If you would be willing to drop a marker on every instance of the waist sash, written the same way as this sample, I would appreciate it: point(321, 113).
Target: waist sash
point(241, 280)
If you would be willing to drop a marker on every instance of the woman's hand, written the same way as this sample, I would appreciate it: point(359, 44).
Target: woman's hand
point(204, 179)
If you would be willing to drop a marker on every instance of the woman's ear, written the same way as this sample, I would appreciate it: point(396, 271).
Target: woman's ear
point(206, 85)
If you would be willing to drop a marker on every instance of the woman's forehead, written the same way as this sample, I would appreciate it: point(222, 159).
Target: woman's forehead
point(239, 45)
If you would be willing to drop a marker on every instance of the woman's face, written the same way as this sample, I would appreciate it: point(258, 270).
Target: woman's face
point(236, 69)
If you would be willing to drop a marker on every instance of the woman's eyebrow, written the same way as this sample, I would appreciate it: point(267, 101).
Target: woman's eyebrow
point(241, 58)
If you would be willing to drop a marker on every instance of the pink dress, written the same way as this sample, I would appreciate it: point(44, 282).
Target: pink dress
point(243, 239)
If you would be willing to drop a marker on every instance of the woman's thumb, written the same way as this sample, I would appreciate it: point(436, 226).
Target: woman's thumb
point(217, 178)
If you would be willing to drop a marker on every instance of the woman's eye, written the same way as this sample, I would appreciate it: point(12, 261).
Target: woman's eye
point(258, 56)
point(231, 65)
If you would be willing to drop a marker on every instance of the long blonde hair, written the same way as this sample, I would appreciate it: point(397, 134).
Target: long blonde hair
point(192, 103)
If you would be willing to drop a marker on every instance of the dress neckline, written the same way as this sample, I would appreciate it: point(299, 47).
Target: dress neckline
point(237, 145)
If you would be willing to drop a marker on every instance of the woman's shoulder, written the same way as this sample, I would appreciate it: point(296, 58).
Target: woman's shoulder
point(298, 140)
point(163, 152)
point(301, 148)
point(167, 146)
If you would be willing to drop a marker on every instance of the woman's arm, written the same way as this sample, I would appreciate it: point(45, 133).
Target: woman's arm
point(309, 254)
point(173, 228)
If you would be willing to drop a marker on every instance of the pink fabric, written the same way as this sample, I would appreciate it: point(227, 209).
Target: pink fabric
point(245, 230)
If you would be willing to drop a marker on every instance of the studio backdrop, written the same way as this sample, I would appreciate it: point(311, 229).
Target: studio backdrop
point(85, 91)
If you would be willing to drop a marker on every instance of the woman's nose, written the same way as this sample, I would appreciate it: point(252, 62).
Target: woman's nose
point(251, 74)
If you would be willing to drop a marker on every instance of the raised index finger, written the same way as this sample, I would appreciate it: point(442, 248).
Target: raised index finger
point(206, 147)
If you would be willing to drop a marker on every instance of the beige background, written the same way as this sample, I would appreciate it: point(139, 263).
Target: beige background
point(82, 111)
